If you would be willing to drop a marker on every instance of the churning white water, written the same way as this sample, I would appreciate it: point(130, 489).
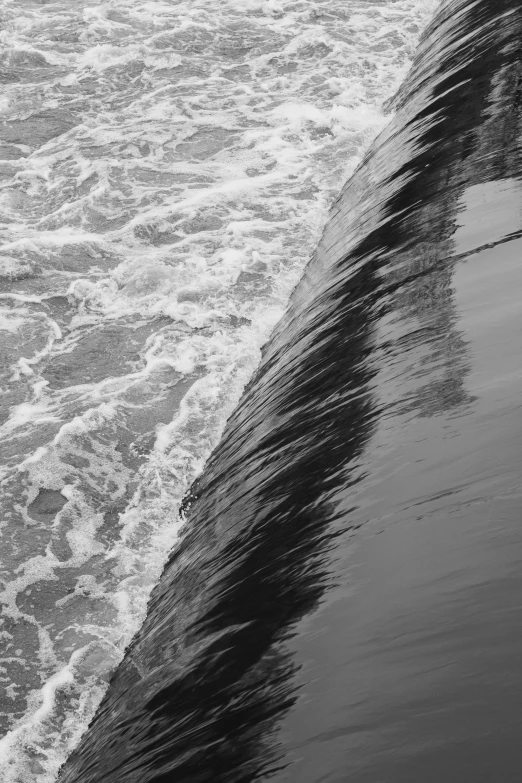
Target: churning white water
point(166, 169)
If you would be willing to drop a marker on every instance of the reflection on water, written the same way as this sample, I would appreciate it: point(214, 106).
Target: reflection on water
point(344, 603)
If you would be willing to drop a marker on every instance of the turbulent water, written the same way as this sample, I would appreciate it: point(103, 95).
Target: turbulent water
point(166, 170)
point(344, 600)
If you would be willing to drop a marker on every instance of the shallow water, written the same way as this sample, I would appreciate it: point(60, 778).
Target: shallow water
point(165, 173)
point(344, 603)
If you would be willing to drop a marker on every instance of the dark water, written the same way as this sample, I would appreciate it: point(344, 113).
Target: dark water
point(346, 601)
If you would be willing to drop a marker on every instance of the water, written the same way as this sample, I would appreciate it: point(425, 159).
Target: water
point(344, 602)
point(166, 170)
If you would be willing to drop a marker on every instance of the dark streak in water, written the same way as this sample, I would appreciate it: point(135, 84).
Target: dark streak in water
point(373, 337)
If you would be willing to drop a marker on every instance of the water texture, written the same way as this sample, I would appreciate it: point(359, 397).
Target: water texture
point(165, 173)
point(344, 602)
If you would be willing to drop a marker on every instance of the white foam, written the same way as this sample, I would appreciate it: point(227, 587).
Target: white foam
point(10, 323)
